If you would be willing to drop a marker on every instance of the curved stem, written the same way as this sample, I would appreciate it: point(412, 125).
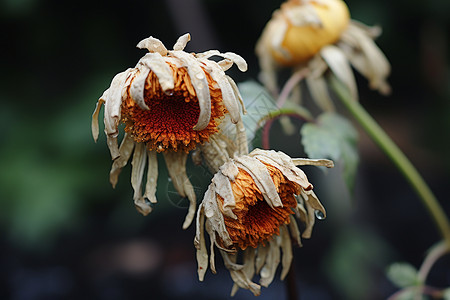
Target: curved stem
point(435, 253)
point(290, 84)
point(291, 285)
point(397, 157)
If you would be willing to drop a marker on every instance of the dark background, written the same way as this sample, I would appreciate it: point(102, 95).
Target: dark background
point(66, 234)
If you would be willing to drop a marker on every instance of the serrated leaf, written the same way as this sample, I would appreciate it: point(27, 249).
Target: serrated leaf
point(403, 275)
point(333, 137)
point(261, 106)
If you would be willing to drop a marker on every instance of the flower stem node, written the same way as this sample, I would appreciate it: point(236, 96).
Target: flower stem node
point(170, 102)
point(250, 207)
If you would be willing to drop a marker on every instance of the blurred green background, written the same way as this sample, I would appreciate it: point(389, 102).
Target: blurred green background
point(66, 234)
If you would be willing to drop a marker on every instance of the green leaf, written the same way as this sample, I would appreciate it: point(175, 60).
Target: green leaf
point(333, 137)
point(258, 103)
point(446, 294)
point(261, 107)
point(403, 275)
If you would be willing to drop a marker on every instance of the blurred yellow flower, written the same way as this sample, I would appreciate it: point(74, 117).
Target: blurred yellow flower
point(307, 28)
point(318, 35)
point(249, 207)
point(170, 102)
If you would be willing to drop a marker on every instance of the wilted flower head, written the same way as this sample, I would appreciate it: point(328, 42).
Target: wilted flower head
point(249, 206)
point(319, 34)
point(170, 102)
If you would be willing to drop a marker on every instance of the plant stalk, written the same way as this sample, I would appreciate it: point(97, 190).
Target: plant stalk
point(379, 136)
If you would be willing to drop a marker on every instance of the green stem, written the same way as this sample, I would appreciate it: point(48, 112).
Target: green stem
point(397, 157)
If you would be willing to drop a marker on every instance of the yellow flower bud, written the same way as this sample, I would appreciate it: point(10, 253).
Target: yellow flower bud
point(306, 27)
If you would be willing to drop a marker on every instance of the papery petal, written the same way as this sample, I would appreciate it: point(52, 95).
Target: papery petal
point(248, 267)
point(153, 45)
point(125, 150)
point(338, 63)
point(94, 125)
point(232, 57)
point(113, 146)
point(200, 84)
point(137, 172)
point(230, 170)
point(262, 179)
point(138, 85)
point(199, 242)
point(286, 247)
point(224, 190)
point(295, 232)
point(239, 277)
point(313, 162)
point(152, 177)
point(159, 66)
point(182, 42)
point(228, 94)
point(215, 217)
point(365, 56)
point(267, 272)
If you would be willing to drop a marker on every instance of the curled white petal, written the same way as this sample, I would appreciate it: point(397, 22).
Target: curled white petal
point(159, 66)
point(283, 163)
point(224, 190)
point(230, 56)
point(113, 102)
point(125, 151)
point(181, 42)
point(200, 84)
point(260, 175)
point(113, 146)
point(313, 162)
point(153, 45)
point(230, 170)
point(152, 177)
point(238, 275)
point(286, 247)
point(94, 125)
point(340, 66)
point(202, 253)
point(237, 93)
point(228, 94)
point(137, 172)
point(138, 85)
point(272, 261)
point(214, 216)
point(248, 267)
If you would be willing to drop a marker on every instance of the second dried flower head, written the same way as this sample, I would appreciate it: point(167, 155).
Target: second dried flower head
point(249, 207)
point(319, 35)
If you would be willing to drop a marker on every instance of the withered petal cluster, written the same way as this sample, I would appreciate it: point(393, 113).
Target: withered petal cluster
point(319, 35)
point(250, 207)
point(170, 102)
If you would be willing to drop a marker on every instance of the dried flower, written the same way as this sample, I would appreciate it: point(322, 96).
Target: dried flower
point(170, 102)
point(249, 207)
point(317, 34)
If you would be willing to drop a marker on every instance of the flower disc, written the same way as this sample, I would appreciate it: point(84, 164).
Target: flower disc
point(169, 122)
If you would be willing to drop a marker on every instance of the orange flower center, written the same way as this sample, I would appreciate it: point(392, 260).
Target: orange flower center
point(256, 221)
point(169, 122)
